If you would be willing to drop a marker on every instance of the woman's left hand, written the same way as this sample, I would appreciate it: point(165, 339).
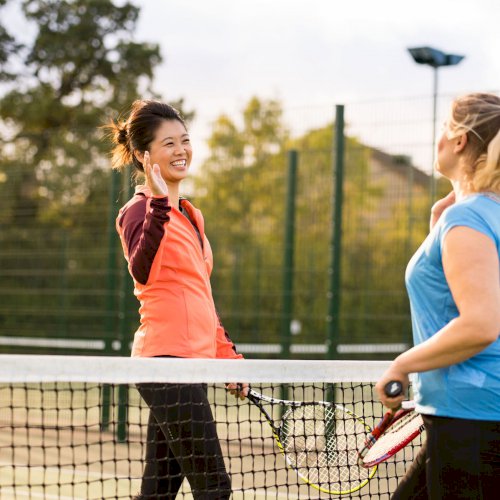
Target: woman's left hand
point(238, 390)
point(154, 180)
point(393, 374)
point(440, 206)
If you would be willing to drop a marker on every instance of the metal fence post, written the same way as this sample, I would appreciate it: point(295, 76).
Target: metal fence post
point(123, 331)
point(334, 295)
point(111, 304)
point(288, 257)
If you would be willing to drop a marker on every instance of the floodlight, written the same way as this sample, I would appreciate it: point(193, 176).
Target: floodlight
point(436, 59)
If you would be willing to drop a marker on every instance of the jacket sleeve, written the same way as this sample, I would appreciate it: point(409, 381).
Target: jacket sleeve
point(225, 347)
point(142, 226)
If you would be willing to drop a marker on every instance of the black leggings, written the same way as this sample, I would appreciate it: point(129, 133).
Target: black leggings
point(182, 442)
point(459, 460)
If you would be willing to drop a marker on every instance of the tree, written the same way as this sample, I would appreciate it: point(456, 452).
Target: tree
point(82, 68)
point(83, 65)
point(241, 190)
point(8, 47)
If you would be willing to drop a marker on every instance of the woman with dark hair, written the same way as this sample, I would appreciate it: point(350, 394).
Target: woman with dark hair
point(170, 260)
point(453, 283)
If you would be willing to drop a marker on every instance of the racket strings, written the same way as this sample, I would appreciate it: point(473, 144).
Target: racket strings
point(394, 438)
point(321, 443)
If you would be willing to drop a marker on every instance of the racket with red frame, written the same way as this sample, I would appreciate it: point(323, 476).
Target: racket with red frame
point(395, 430)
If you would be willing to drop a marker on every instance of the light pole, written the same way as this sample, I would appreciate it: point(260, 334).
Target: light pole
point(436, 59)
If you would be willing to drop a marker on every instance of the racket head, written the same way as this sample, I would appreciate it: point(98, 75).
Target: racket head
point(381, 427)
point(402, 431)
point(320, 441)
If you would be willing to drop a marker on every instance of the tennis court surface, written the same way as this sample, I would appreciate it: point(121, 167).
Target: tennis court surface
point(74, 427)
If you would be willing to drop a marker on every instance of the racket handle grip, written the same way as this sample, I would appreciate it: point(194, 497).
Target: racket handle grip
point(393, 389)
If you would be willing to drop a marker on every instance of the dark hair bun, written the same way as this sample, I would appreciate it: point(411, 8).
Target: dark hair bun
point(122, 136)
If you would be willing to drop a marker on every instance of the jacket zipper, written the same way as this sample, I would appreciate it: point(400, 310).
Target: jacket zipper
point(202, 252)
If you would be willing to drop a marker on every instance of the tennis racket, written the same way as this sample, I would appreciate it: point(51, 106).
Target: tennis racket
point(394, 431)
point(319, 440)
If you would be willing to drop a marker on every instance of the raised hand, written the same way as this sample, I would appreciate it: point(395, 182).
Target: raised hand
point(154, 180)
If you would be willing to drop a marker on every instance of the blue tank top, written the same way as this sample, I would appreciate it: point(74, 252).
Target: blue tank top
point(470, 389)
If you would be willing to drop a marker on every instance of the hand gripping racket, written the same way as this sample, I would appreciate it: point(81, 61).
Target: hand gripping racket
point(319, 440)
point(394, 431)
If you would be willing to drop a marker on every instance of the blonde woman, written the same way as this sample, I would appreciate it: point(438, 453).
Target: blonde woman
point(453, 283)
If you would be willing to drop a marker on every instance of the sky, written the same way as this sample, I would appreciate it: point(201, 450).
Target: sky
point(218, 53)
point(314, 54)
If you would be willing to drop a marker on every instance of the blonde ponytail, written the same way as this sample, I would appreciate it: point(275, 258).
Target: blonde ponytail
point(478, 115)
point(487, 168)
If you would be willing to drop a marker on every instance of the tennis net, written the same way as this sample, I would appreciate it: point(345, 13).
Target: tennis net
point(76, 427)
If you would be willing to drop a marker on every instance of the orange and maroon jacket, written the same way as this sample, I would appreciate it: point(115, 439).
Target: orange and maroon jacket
point(171, 265)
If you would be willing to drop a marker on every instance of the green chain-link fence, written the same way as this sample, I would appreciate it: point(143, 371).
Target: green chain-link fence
point(294, 270)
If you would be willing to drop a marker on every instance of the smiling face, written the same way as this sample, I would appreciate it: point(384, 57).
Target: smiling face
point(171, 149)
